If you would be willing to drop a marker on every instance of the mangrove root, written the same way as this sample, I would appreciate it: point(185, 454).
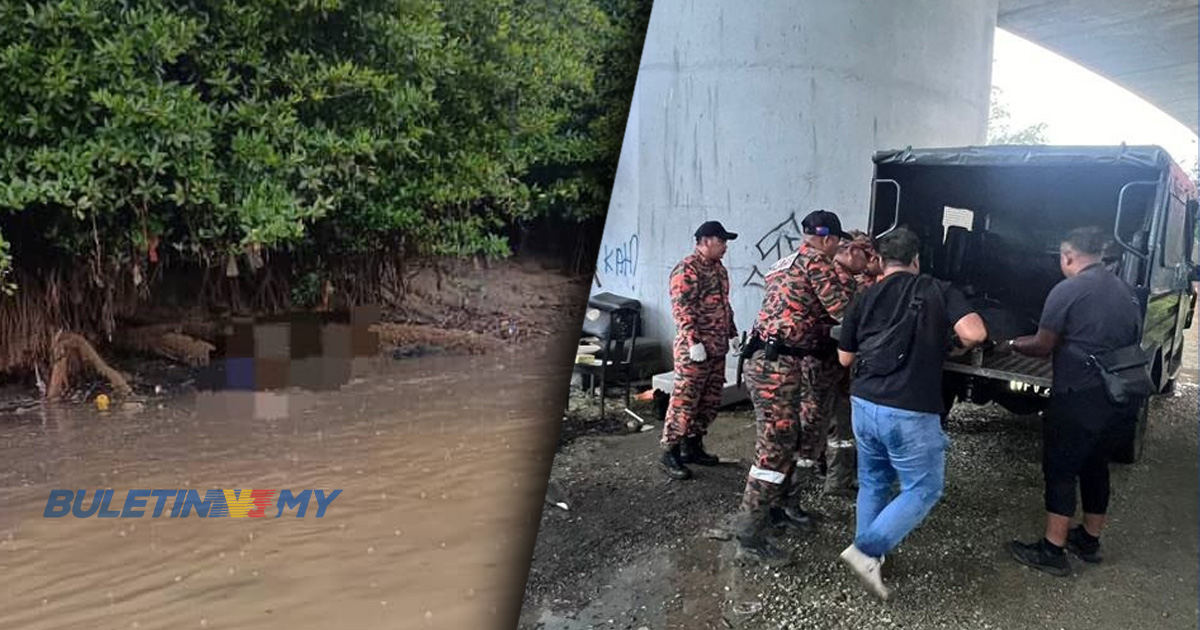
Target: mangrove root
point(70, 354)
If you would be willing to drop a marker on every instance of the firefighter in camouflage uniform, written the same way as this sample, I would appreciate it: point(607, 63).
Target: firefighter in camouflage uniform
point(790, 377)
point(840, 454)
point(705, 331)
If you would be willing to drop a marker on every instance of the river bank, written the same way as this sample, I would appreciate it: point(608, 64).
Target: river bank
point(442, 463)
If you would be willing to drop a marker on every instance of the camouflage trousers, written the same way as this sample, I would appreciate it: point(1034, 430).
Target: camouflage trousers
point(695, 396)
point(840, 454)
point(793, 402)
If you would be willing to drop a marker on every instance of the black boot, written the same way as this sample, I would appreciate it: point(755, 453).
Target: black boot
point(692, 452)
point(753, 545)
point(840, 478)
point(672, 465)
point(1041, 555)
point(1084, 545)
point(791, 518)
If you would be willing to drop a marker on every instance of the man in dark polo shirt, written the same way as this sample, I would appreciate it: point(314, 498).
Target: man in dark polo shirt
point(1089, 312)
point(894, 338)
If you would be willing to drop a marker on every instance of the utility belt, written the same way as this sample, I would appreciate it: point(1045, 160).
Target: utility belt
point(773, 348)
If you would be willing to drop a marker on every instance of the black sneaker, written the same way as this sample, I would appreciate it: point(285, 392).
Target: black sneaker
point(1035, 555)
point(762, 551)
point(671, 464)
point(1084, 546)
point(791, 518)
point(692, 452)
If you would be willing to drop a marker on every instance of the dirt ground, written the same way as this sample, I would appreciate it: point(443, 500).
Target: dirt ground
point(636, 551)
point(514, 300)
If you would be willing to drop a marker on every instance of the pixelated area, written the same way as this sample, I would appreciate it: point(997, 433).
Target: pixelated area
point(259, 362)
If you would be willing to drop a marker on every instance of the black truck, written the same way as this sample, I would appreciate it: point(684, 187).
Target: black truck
point(990, 220)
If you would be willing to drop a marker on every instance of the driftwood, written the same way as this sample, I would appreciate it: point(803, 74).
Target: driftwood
point(177, 342)
point(70, 353)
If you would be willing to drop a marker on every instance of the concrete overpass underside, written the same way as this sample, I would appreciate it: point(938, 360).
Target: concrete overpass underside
point(757, 117)
point(1149, 47)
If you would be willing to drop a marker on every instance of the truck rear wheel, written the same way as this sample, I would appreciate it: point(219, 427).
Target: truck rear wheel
point(1131, 451)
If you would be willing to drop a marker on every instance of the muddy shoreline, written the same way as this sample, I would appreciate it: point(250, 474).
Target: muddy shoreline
point(473, 311)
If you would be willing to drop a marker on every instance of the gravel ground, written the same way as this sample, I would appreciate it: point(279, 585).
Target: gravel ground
point(582, 416)
point(637, 551)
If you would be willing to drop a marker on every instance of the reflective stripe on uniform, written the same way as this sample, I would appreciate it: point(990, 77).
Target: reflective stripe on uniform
point(841, 443)
point(769, 476)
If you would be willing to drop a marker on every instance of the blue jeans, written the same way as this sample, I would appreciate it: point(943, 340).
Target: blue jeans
point(895, 444)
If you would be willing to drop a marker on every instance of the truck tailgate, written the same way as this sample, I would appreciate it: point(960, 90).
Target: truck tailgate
point(1013, 367)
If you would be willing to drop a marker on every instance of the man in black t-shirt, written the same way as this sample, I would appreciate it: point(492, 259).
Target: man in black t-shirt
point(895, 337)
point(1090, 312)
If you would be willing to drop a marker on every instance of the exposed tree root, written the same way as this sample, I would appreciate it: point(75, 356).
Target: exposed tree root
point(70, 353)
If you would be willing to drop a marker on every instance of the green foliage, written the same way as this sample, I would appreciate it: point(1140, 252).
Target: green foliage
point(999, 131)
point(306, 291)
point(324, 128)
point(577, 184)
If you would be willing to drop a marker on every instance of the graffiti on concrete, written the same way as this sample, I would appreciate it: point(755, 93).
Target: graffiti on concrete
point(780, 241)
point(756, 278)
point(621, 261)
point(617, 264)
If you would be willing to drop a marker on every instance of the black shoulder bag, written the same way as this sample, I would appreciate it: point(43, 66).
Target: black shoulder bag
point(1125, 371)
point(888, 351)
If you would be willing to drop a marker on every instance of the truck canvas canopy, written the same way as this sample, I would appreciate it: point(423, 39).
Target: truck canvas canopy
point(991, 219)
point(1152, 157)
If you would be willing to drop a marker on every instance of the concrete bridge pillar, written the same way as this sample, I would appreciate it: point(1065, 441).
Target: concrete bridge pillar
point(756, 113)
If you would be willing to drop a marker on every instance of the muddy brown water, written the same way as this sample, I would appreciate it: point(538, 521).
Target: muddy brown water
point(442, 465)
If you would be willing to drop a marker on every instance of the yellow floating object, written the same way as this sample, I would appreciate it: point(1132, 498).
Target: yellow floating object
point(102, 402)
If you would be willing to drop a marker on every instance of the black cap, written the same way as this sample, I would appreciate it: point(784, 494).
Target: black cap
point(823, 223)
point(714, 228)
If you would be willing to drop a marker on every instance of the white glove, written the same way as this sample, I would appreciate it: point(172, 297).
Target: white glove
point(697, 354)
point(734, 346)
